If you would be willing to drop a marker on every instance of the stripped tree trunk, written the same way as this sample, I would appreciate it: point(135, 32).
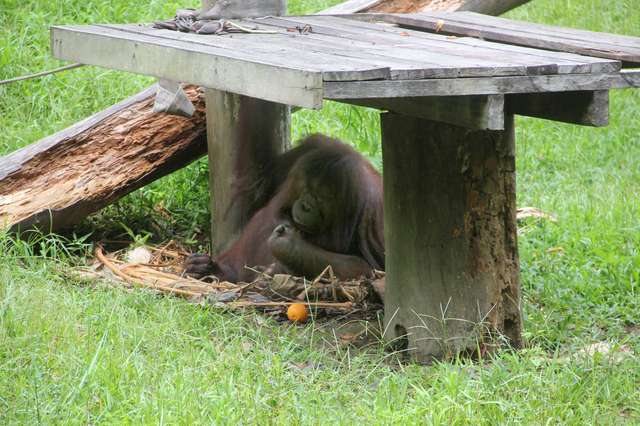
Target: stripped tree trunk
point(61, 179)
point(488, 7)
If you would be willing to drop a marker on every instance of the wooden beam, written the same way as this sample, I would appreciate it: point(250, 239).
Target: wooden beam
point(473, 112)
point(452, 271)
point(587, 108)
point(484, 86)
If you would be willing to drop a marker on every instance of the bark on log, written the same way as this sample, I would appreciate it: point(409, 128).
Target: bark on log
point(488, 7)
point(61, 179)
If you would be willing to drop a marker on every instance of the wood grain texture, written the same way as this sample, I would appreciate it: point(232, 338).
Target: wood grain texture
point(61, 179)
point(435, 53)
point(469, 47)
point(601, 45)
point(223, 69)
point(452, 271)
point(285, 50)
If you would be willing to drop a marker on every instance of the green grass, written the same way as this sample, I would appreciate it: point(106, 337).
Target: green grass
point(76, 352)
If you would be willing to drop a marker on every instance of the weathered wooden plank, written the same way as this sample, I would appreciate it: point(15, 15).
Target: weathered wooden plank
point(437, 44)
point(590, 108)
point(473, 112)
point(399, 47)
point(404, 63)
point(448, 24)
point(272, 48)
point(411, 44)
point(482, 86)
point(404, 60)
point(609, 40)
point(206, 66)
point(566, 63)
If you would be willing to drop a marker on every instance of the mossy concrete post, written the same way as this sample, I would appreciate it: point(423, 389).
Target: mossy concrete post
point(243, 135)
point(452, 280)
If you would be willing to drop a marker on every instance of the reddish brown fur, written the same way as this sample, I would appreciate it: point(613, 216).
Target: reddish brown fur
point(357, 228)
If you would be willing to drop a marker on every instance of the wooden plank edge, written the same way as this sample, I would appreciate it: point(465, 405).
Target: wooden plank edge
point(432, 23)
point(282, 85)
point(482, 86)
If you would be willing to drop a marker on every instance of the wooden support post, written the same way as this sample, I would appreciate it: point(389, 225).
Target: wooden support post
point(450, 234)
point(243, 135)
point(246, 133)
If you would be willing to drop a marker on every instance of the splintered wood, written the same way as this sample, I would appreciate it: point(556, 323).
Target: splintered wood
point(63, 178)
point(163, 273)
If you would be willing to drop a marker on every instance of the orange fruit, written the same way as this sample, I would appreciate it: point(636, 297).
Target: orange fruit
point(297, 312)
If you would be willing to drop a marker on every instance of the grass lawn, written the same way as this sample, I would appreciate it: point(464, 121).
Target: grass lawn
point(80, 352)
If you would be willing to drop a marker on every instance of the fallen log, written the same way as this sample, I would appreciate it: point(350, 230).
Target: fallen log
point(488, 7)
point(59, 180)
point(63, 178)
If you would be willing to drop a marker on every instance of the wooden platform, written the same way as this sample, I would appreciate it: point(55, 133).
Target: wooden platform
point(451, 84)
point(346, 58)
